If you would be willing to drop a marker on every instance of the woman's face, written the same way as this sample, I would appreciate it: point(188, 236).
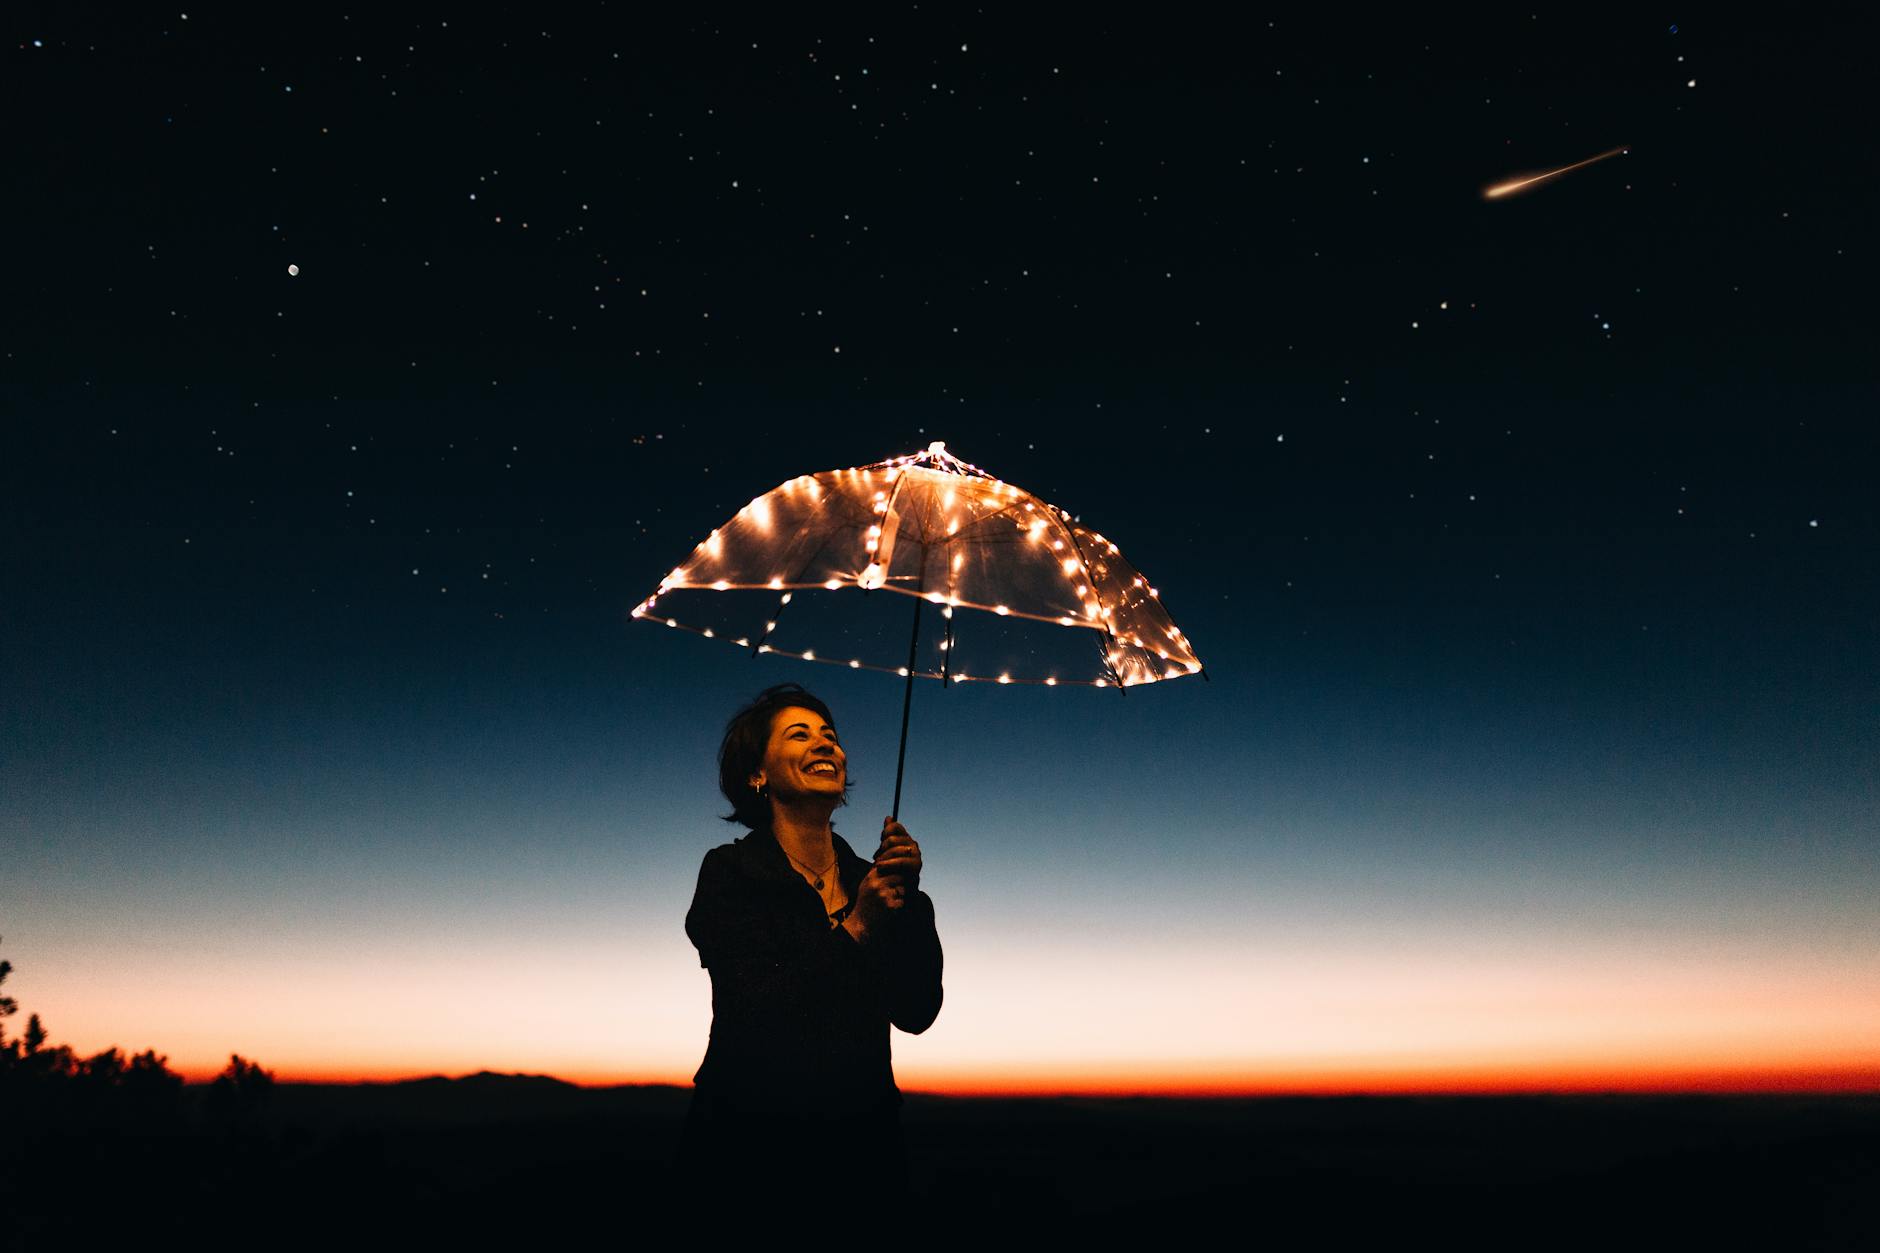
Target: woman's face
point(803, 757)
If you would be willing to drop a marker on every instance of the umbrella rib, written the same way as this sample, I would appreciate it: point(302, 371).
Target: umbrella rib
point(1097, 595)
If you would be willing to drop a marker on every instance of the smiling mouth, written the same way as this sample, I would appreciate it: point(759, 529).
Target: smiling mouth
point(822, 768)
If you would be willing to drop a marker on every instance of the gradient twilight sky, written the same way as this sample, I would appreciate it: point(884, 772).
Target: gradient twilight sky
point(1530, 544)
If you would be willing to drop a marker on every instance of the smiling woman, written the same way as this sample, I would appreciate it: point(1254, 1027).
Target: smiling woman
point(813, 952)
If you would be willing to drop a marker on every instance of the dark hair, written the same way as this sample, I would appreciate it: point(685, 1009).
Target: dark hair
point(747, 735)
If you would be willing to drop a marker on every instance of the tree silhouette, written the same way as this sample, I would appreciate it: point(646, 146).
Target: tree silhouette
point(52, 1083)
point(8, 1007)
point(240, 1093)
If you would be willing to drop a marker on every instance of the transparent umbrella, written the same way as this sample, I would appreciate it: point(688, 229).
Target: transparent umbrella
point(793, 572)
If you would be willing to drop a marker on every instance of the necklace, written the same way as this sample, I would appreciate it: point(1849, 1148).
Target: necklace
point(817, 875)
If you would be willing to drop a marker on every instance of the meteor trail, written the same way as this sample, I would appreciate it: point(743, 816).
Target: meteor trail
point(1503, 189)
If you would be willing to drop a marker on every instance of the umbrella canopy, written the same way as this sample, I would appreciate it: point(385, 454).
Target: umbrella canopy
point(930, 525)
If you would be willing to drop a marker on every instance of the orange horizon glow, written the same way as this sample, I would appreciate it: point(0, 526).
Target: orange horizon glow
point(1851, 1078)
point(1272, 1017)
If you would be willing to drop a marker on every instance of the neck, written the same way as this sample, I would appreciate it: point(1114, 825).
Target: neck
point(804, 832)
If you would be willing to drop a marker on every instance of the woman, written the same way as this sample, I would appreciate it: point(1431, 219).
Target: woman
point(813, 952)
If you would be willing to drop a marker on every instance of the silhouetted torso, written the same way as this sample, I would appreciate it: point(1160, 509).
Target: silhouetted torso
point(799, 1052)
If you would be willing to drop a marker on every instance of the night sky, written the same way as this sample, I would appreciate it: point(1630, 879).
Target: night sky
point(361, 374)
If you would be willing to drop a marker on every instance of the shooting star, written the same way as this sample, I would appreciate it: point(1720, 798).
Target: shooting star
point(1503, 189)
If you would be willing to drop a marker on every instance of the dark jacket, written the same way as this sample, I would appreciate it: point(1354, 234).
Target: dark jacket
point(800, 1011)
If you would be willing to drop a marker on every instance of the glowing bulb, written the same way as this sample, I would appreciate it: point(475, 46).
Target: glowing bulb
point(1051, 682)
point(809, 654)
point(785, 599)
point(872, 577)
point(1058, 544)
point(948, 611)
point(775, 582)
point(937, 447)
point(639, 610)
point(764, 648)
point(720, 585)
point(902, 671)
point(833, 584)
point(854, 665)
point(743, 643)
point(935, 597)
point(1005, 678)
point(1070, 565)
point(708, 633)
point(1002, 611)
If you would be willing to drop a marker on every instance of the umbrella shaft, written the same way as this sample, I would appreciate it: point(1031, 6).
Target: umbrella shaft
point(907, 703)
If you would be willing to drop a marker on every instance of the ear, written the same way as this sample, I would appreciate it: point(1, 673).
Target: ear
point(757, 782)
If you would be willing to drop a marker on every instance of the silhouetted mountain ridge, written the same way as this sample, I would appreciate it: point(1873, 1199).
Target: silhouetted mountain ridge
point(489, 1081)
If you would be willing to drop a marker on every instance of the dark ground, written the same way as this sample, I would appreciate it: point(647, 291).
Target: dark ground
point(508, 1159)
